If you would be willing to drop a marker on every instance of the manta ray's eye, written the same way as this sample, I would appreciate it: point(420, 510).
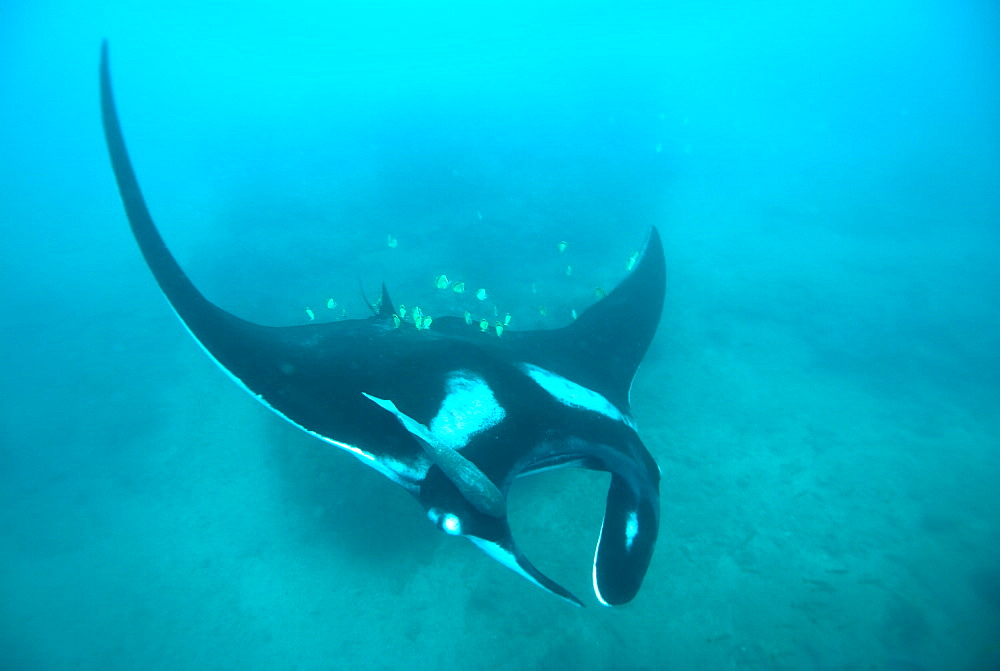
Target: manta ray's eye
point(447, 522)
point(451, 524)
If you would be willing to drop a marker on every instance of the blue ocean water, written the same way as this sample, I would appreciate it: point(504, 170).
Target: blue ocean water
point(821, 395)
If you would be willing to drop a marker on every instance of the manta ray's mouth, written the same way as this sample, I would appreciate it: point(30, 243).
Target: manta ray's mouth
point(629, 524)
point(558, 531)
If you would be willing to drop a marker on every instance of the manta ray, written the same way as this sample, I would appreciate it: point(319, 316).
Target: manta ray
point(449, 412)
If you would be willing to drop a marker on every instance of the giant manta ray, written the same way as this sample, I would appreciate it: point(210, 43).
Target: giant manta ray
point(450, 413)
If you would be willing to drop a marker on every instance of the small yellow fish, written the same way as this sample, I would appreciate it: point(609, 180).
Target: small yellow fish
point(630, 264)
point(310, 314)
point(506, 319)
point(427, 322)
point(417, 314)
point(600, 293)
point(331, 304)
point(441, 282)
point(573, 313)
point(542, 310)
point(396, 321)
point(391, 241)
point(418, 322)
point(499, 329)
point(562, 246)
point(569, 270)
point(481, 294)
point(468, 318)
point(458, 287)
point(402, 311)
point(483, 325)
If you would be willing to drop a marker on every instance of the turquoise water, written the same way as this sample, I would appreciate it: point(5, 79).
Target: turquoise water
point(821, 395)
